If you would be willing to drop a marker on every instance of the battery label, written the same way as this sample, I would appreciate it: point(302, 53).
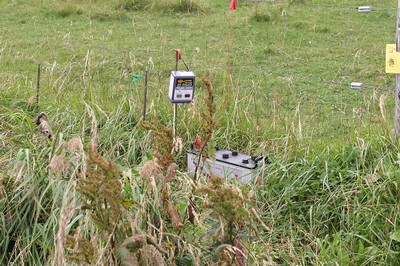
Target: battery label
point(184, 83)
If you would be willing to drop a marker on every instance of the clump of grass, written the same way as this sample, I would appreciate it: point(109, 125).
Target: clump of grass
point(298, 1)
point(27, 195)
point(271, 15)
point(262, 17)
point(135, 5)
point(266, 16)
point(67, 9)
point(186, 6)
point(107, 16)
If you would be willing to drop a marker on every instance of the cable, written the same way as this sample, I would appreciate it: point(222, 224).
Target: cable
point(309, 78)
point(378, 88)
point(185, 64)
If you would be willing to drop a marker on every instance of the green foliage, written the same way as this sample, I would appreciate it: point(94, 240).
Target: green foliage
point(186, 6)
point(332, 251)
point(134, 5)
point(265, 17)
point(68, 9)
point(28, 205)
point(330, 197)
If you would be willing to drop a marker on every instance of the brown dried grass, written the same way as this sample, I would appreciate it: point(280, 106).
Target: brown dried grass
point(74, 145)
point(67, 213)
point(151, 173)
point(149, 255)
point(59, 165)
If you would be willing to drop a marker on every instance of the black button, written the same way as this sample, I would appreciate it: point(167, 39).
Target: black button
point(225, 155)
point(234, 153)
point(245, 161)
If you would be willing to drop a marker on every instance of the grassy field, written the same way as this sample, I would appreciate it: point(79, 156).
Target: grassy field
point(280, 72)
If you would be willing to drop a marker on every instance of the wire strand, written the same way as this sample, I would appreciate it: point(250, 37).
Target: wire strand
point(265, 71)
point(320, 5)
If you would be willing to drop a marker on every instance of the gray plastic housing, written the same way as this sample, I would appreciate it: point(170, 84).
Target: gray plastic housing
point(181, 86)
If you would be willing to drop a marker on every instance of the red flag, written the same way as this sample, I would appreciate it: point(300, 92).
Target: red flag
point(233, 5)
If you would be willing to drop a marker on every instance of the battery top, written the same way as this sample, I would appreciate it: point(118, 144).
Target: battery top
point(233, 158)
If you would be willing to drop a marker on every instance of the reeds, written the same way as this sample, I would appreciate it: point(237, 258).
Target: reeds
point(119, 214)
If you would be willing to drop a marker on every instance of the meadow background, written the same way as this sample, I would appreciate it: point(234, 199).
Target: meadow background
point(280, 74)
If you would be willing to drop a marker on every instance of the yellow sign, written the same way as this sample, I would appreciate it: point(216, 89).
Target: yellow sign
point(392, 59)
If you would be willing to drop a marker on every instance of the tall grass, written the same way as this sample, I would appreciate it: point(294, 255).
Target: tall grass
point(337, 207)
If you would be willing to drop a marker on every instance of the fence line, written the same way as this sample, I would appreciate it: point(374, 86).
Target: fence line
point(68, 70)
point(361, 9)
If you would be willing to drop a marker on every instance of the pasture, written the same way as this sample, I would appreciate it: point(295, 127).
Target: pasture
point(280, 74)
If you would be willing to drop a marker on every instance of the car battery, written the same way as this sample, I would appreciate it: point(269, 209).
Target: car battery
point(227, 164)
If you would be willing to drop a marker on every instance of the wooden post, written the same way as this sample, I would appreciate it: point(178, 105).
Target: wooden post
point(397, 101)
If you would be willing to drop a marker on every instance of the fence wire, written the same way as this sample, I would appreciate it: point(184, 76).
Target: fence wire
point(360, 8)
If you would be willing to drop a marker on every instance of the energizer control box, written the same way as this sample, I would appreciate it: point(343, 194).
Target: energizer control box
point(181, 86)
point(227, 164)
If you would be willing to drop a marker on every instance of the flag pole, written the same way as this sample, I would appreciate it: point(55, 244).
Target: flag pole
point(229, 57)
point(232, 7)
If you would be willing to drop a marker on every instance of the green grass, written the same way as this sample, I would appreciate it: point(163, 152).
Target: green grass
point(330, 195)
point(277, 62)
